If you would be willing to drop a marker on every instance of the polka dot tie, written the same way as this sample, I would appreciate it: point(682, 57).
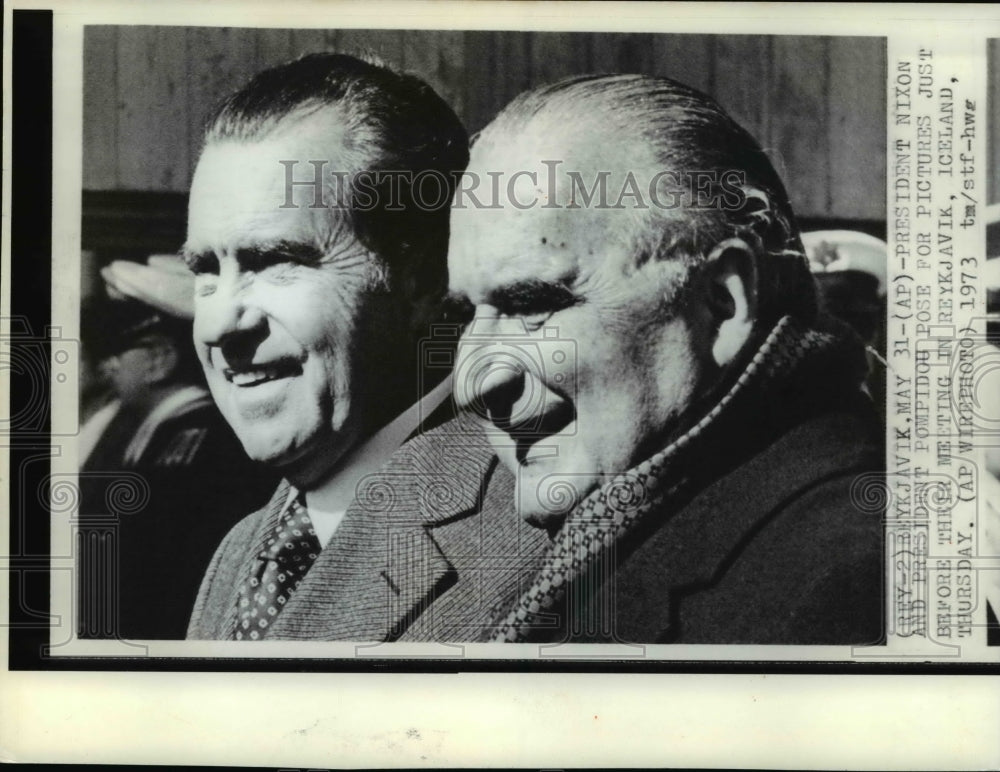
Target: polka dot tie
point(291, 550)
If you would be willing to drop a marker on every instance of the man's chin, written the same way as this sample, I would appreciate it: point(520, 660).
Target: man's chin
point(545, 501)
point(269, 450)
point(268, 455)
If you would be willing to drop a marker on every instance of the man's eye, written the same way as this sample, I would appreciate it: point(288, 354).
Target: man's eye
point(256, 262)
point(457, 310)
point(536, 301)
point(286, 255)
point(534, 321)
point(204, 263)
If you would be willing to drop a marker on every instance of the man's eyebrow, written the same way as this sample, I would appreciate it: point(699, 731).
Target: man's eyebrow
point(297, 251)
point(533, 295)
point(255, 257)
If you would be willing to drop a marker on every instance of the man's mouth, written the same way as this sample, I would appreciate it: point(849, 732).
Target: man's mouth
point(255, 375)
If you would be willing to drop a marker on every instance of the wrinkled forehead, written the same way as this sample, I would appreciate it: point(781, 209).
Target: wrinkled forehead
point(308, 144)
point(537, 199)
point(587, 144)
point(311, 128)
point(289, 169)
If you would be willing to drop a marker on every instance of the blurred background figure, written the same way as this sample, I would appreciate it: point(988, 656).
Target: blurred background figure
point(151, 425)
point(850, 272)
point(849, 268)
point(142, 364)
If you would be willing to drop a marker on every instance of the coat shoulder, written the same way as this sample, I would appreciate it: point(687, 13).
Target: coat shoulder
point(787, 548)
point(215, 599)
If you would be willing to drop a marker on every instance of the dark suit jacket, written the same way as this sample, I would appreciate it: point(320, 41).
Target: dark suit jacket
point(785, 548)
point(428, 551)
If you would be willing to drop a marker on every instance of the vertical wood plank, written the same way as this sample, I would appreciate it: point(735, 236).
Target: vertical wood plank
point(742, 80)
point(152, 121)
point(100, 113)
point(856, 127)
point(513, 71)
point(497, 68)
point(621, 53)
point(221, 60)
point(385, 44)
point(480, 76)
point(687, 58)
point(308, 41)
point(437, 57)
point(557, 55)
point(274, 47)
point(799, 143)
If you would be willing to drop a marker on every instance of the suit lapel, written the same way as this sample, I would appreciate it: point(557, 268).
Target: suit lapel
point(495, 554)
point(367, 582)
point(382, 566)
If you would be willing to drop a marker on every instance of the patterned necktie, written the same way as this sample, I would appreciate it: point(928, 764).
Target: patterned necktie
point(290, 552)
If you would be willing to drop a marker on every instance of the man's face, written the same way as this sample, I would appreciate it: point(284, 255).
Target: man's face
point(290, 330)
point(129, 371)
point(548, 285)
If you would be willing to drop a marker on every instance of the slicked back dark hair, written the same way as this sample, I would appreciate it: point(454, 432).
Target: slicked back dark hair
point(685, 130)
point(392, 122)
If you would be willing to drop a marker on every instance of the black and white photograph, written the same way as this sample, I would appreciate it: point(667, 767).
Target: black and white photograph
point(608, 372)
point(526, 343)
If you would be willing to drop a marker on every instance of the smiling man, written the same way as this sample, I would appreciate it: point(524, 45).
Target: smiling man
point(315, 281)
point(648, 360)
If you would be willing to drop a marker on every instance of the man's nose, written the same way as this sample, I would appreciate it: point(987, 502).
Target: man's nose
point(225, 312)
point(490, 374)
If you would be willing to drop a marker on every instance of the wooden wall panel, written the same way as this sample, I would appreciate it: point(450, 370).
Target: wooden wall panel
point(797, 142)
point(856, 127)
point(742, 85)
point(385, 44)
point(220, 60)
point(157, 68)
point(305, 41)
point(621, 52)
point(816, 104)
point(497, 69)
point(100, 109)
point(273, 47)
point(439, 58)
point(687, 58)
point(556, 55)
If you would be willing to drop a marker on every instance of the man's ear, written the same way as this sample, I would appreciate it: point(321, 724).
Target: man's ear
point(731, 296)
